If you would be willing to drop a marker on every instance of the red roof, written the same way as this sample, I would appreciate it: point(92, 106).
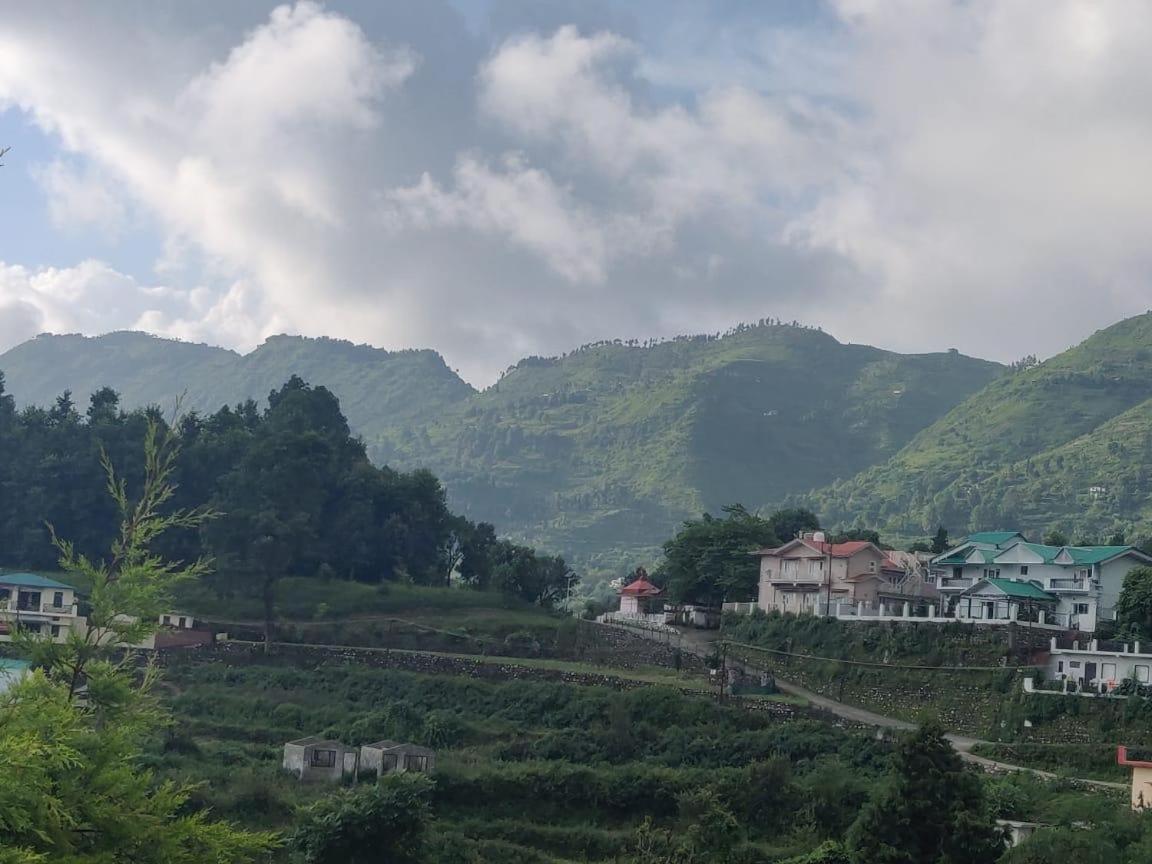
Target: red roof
point(836, 550)
point(641, 588)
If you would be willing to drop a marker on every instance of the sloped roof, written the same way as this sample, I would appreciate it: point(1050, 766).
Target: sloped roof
point(836, 550)
point(1097, 554)
point(31, 580)
point(641, 588)
point(1012, 588)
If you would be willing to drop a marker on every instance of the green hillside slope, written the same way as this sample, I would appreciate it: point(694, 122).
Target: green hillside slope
point(1024, 452)
point(598, 453)
point(601, 452)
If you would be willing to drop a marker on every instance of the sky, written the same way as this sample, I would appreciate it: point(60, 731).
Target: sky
point(500, 178)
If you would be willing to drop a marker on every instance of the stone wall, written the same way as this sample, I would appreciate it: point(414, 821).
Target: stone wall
point(617, 646)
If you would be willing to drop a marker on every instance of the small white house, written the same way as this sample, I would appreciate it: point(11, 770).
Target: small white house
point(640, 597)
point(393, 757)
point(37, 604)
point(1088, 666)
point(320, 759)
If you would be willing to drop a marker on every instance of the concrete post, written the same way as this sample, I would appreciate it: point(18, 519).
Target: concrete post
point(860, 608)
point(1094, 645)
point(883, 610)
point(931, 611)
point(1013, 611)
point(907, 609)
point(1040, 620)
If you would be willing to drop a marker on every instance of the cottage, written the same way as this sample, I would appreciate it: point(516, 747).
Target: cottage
point(37, 604)
point(640, 597)
point(392, 757)
point(991, 601)
point(1091, 666)
point(320, 759)
point(1084, 580)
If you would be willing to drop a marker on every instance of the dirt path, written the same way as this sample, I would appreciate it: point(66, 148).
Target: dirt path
point(702, 643)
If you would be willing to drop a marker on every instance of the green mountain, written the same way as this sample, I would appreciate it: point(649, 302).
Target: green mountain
point(1066, 443)
point(598, 453)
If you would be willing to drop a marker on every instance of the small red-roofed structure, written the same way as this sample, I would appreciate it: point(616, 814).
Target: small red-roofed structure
point(640, 597)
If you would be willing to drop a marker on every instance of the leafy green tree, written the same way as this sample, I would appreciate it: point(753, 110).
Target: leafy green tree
point(1062, 845)
point(710, 559)
point(940, 541)
point(1134, 608)
point(71, 789)
point(829, 852)
point(1056, 537)
point(790, 523)
point(932, 811)
point(387, 822)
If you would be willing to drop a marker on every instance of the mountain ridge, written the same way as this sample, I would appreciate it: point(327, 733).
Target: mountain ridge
point(599, 452)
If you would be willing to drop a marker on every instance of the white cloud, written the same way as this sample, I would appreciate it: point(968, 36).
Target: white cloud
point(923, 173)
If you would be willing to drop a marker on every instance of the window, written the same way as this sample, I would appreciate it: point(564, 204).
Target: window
point(1083, 573)
point(1059, 666)
point(323, 758)
point(1023, 569)
point(957, 572)
point(182, 620)
point(58, 599)
point(1073, 664)
point(1108, 671)
point(167, 619)
point(415, 763)
point(388, 763)
point(1081, 608)
point(991, 572)
point(55, 630)
point(871, 566)
point(1141, 674)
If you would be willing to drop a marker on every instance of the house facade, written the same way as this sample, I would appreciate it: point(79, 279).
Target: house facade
point(1098, 666)
point(640, 597)
point(1085, 581)
point(39, 605)
point(393, 757)
point(810, 575)
point(320, 759)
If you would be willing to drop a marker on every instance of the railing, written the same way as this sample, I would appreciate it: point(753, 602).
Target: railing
point(957, 582)
point(814, 578)
point(39, 609)
point(1068, 585)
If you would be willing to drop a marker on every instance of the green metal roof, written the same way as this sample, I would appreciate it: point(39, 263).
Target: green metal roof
point(1023, 590)
point(31, 580)
point(993, 537)
point(1095, 554)
point(1045, 552)
point(951, 559)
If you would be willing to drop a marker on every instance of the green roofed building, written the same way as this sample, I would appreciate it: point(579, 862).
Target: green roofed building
point(37, 604)
point(997, 572)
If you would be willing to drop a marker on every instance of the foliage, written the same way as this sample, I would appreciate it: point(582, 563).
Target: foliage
point(384, 822)
point(72, 790)
point(1067, 442)
point(593, 454)
point(1134, 608)
point(710, 559)
point(294, 491)
point(932, 812)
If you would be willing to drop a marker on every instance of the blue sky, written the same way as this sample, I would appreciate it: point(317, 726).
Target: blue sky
point(495, 178)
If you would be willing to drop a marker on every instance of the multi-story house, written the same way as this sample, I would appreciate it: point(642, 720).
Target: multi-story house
point(812, 575)
point(1085, 581)
point(39, 605)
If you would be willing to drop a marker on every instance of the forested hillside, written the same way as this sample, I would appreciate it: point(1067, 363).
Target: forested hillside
point(1065, 443)
point(292, 492)
point(599, 453)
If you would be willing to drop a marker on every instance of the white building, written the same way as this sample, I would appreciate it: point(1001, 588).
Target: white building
point(1084, 580)
point(37, 604)
point(1094, 666)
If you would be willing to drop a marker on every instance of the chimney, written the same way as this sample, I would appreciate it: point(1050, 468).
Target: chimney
point(819, 536)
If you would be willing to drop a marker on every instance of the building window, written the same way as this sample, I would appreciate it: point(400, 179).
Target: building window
point(1141, 674)
point(991, 572)
point(323, 758)
point(167, 620)
point(182, 620)
point(1073, 664)
point(1081, 608)
point(55, 631)
point(58, 599)
point(1023, 569)
point(388, 762)
point(871, 566)
point(957, 572)
point(1108, 671)
point(1059, 666)
point(415, 763)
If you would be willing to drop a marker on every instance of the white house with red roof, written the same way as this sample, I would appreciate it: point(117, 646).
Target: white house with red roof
point(810, 574)
point(640, 597)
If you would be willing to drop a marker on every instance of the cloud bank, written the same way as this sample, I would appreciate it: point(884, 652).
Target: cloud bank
point(916, 174)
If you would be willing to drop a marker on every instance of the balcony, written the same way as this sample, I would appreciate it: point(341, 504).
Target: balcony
point(956, 583)
point(797, 577)
point(1070, 585)
point(13, 606)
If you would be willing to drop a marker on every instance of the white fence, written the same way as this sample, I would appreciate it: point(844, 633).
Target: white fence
point(904, 612)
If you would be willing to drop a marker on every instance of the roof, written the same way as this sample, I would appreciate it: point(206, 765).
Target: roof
point(405, 748)
point(993, 537)
point(315, 739)
point(31, 580)
point(1096, 554)
point(1012, 588)
point(641, 588)
point(836, 550)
